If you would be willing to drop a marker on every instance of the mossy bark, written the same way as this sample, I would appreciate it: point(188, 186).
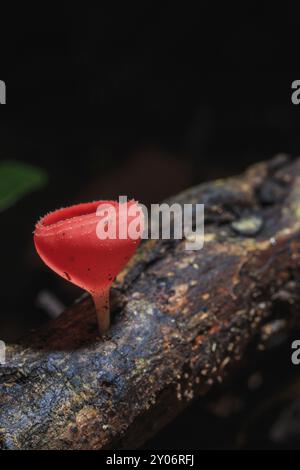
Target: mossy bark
point(181, 321)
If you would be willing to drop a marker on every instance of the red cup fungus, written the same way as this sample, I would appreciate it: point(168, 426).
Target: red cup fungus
point(89, 244)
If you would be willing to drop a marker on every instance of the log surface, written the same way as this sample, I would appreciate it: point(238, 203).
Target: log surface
point(181, 322)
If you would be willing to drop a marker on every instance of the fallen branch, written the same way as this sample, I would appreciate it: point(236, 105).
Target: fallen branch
point(182, 321)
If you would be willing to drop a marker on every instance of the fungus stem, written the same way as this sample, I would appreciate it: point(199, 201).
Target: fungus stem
point(102, 310)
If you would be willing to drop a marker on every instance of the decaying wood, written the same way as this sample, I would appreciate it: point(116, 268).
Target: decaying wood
point(182, 320)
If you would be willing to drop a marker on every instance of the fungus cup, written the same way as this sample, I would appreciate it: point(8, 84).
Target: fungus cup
point(89, 244)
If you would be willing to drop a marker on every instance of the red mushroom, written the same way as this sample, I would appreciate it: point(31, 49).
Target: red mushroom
point(72, 242)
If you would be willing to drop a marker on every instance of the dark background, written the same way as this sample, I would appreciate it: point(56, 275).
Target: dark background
point(141, 99)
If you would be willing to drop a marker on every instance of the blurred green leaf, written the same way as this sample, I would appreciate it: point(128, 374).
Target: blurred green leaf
point(18, 179)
